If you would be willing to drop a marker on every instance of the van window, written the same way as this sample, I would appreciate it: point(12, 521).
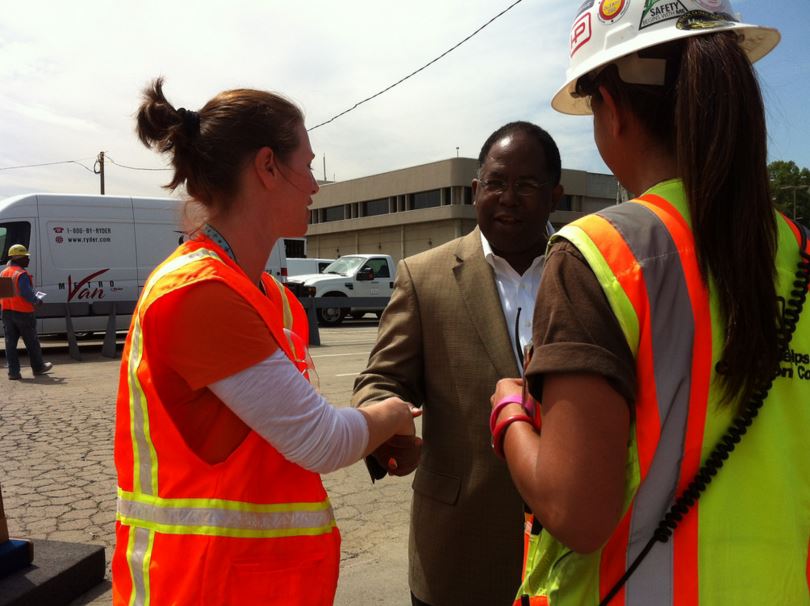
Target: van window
point(13, 232)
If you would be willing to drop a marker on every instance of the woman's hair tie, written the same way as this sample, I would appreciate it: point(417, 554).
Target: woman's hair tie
point(191, 121)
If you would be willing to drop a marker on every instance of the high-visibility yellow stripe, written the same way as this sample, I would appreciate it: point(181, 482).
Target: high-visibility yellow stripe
point(130, 551)
point(223, 503)
point(147, 561)
point(287, 519)
point(139, 557)
point(244, 533)
point(144, 453)
point(619, 301)
point(288, 317)
point(285, 303)
point(145, 458)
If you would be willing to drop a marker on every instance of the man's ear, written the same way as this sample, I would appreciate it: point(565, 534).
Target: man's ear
point(474, 190)
point(265, 167)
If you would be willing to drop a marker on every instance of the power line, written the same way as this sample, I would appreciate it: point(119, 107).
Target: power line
point(400, 81)
point(46, 164)
point(332, 119)
point(107, 156)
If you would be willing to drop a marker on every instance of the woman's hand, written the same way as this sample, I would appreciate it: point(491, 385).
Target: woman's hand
point(388, 418)
point(408, 413)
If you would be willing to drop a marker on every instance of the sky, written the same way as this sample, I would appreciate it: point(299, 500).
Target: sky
point(71, 76)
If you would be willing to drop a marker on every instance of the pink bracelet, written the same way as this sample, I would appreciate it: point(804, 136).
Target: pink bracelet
point(499, 434)
point(506, 401)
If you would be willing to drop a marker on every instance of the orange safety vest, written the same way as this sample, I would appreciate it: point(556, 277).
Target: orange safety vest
point(748, 537)
point(253, 529)
point(16, 303)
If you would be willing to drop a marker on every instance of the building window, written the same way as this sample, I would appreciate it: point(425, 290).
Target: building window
point(427, 199)
point(375, 207)
point(334, 213)
point(467, 195)
point(564, 203)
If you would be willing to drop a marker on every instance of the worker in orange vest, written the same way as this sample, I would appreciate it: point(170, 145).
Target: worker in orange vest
point(220, 438)
point(19, 319)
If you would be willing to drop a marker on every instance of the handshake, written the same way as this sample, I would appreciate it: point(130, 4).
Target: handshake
point(398, 456)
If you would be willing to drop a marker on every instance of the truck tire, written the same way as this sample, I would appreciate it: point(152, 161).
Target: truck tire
point(332, 316)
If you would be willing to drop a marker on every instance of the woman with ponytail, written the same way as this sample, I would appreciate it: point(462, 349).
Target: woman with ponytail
point(660, 439)
point(220, 438)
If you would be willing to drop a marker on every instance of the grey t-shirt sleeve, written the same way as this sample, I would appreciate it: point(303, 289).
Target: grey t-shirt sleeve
point(574, 329)
point(275, 400)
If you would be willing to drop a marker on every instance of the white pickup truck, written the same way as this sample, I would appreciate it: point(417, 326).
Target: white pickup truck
point(357, 275)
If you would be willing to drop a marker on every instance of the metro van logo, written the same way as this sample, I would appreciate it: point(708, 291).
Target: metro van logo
point(58, 230)
point(83, 290)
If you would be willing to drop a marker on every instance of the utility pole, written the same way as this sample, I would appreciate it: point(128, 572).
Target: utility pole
point(794, 188)
point(324, 167)
point(98, 168)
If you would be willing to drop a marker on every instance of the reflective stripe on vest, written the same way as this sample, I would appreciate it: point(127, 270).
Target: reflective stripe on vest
point(16, 302)
point(218, 517)
point(642, 254)
point(145, 457)
point(287, 313)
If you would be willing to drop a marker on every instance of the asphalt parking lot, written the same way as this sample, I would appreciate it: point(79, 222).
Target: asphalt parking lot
point(58, 477)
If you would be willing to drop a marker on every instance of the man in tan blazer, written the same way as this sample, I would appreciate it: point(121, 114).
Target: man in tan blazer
point(455, 323)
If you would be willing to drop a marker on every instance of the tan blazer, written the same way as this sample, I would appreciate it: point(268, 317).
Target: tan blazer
point(443, 344)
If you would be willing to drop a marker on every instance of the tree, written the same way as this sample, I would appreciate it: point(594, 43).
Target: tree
point(790, 188)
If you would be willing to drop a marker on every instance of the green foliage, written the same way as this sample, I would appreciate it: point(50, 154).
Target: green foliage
point(791, 185)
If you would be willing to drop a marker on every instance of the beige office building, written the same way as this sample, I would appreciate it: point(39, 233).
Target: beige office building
point(407, 211)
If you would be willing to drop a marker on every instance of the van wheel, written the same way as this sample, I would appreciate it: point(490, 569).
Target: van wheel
point(332, 316)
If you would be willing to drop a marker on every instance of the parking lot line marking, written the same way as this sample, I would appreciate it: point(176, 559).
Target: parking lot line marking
point(347, 374)
point(354, 353)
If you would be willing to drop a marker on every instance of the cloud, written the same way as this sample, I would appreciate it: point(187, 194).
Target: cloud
point(73, 74)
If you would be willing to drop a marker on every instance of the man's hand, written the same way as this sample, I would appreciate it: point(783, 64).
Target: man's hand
point(399, 455)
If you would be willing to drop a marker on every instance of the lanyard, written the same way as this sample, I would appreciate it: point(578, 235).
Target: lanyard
point(220, 240)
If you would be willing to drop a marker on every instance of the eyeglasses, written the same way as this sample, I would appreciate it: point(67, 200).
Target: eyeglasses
point(525, 188)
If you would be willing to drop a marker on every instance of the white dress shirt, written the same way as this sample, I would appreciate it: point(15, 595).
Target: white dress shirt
point(517, 293)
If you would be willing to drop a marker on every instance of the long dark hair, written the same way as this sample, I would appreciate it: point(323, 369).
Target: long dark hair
point(710, 111)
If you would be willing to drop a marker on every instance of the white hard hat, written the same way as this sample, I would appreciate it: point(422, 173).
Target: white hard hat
point(607, 30)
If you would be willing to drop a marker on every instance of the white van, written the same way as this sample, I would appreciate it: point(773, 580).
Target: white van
point(92, 248)
point(300, 267)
